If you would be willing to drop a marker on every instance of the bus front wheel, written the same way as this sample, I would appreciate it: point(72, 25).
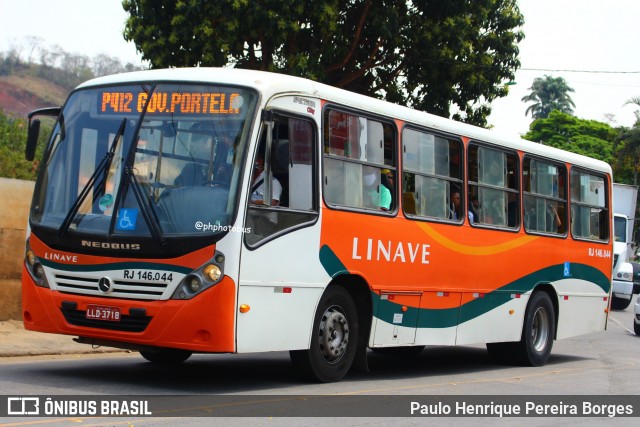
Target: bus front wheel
point(166, 356)
point(334, 338)
point(537, 332)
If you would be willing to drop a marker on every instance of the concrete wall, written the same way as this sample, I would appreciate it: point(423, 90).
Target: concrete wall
point(15, 199)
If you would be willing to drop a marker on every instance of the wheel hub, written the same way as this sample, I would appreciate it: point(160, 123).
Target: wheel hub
point(333, 334)
point(540, 329)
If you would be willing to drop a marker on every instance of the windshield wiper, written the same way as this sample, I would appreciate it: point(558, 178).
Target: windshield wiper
point(146, 209)
point(105, 163)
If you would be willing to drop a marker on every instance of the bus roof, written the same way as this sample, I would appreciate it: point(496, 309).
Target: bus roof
point(272, 84)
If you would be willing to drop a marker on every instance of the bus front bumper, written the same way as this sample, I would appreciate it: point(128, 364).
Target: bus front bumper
point(622, 289)
point(205, 323)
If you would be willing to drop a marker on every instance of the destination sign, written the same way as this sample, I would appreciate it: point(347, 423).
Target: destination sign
point(171, 102)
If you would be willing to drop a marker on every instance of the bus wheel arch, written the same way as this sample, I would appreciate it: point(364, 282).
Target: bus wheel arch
point(535, 344)
point(340, 327)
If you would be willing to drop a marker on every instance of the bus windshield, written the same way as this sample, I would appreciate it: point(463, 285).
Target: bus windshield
point(145, 160)
point(620, 229)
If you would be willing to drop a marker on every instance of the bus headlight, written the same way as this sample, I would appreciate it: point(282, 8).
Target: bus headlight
point(36, 270)
point(195, 284)
point(30, 257)
point(201, 279)
point(213, 272)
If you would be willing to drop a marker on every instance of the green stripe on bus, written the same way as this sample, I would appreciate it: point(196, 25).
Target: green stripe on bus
point(388, 311)
point(331, 262)
point(449, 317)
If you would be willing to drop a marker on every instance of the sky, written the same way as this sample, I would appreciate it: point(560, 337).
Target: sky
point(592, 44)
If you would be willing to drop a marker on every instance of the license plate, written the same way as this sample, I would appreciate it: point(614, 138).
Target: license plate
point(103, 312)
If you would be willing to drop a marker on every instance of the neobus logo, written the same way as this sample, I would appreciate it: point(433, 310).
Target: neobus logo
point(107, 245)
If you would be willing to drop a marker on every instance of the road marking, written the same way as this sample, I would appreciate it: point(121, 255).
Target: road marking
point(619, 323)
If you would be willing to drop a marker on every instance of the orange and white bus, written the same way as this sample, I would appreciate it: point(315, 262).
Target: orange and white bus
point(205, 210)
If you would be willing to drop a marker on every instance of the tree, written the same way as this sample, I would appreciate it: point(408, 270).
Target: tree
point(548, 94)
point(13, 138)
point(629, 138)
point(434, 55)
point(587, 137)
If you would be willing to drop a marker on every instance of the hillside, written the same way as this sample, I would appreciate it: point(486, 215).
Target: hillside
point(26, 85)
point(21, 94)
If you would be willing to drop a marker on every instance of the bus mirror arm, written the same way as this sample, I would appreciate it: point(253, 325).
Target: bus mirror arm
point(34, 129)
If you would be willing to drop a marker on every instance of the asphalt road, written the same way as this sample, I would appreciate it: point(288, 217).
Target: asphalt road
point(605, 363)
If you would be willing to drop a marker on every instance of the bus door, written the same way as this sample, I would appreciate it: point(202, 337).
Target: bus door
point(280, 276)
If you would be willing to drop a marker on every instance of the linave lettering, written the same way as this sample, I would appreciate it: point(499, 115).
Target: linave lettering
point(61, 257)
point(387, 250)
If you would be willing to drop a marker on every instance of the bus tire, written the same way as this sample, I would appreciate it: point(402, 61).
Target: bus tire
point(166, 356)
point(537, 331)
point(334, 339)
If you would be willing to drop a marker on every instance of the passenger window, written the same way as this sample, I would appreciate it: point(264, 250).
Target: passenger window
point(359, 165)
point(589, 209)
point(493, 187)
point(283, 173)
point(545, 196)
point(432, 176)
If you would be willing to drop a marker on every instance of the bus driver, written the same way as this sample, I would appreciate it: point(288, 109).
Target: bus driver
point(257, 186)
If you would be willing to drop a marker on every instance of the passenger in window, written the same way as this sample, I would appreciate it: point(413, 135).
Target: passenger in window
point(474, 209)
point(553, 219)
point(378, 195)
point(258, 188)
point(454, 208)
point(386, 179)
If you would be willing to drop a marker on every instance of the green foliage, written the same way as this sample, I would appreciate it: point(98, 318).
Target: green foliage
point(548, 94)
point(629, 147)
point(628, 155)
point(13, 138)
point(587, 137)
point(440, 56)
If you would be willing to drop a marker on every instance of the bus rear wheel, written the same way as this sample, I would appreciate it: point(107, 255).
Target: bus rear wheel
point(538, 331)
point(166, 356)
point(334, 339)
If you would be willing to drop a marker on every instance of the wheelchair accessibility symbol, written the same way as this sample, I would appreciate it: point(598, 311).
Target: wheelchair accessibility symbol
point(127, 219)
point(567, 269)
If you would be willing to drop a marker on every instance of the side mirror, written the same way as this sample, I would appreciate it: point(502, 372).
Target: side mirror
point(32, 139)
point(34, 129)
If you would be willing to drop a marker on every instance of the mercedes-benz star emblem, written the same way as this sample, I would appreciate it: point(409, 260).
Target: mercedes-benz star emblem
point(105, 285)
